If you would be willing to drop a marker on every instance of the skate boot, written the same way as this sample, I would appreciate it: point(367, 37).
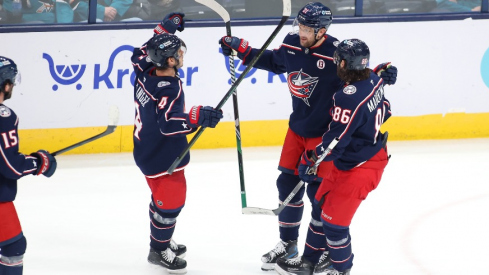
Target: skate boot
point(282, 249)
point(168, 260)
point(294, 266)
point(179, 249)
point(324, 267)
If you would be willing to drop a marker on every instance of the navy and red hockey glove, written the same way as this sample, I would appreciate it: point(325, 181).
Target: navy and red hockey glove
point(204, 116)
point(171, 23)
point(46, 163)
point(306, 167)
point(387, 72)
point(230, 43)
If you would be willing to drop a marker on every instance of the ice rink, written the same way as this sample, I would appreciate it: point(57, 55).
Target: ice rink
point(429, 214)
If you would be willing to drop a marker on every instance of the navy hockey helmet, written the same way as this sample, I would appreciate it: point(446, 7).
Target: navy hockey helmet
point(355, 52)
point(315, 15)
point(163, 46)
point(8, 72)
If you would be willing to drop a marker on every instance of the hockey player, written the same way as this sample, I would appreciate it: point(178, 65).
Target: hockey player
point(160, 128)
point(359, 158)
point(13, 166)
point(306, 55)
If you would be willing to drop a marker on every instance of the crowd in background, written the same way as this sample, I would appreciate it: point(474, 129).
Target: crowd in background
point(74, 11)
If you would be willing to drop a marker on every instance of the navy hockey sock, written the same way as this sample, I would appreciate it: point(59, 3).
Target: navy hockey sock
point(290, 218)
point(315, 240)
point(162, 227)
point(339, 246)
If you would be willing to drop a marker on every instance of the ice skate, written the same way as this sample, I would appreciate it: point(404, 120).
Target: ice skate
point(294, 266)
point(282, 249)
point(324, 267)
point(179, 249)
point(168, 260)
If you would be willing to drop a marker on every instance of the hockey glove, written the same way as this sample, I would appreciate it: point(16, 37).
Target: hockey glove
point(230, 43)
point(171, 23)
point(204, 116)
point(306, 171)
point(387, 72)
point(46, 163)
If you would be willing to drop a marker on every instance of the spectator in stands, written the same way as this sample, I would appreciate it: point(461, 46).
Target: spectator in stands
point(151, 9)
point(107, 10)
point(458, 6)
point(36, 12)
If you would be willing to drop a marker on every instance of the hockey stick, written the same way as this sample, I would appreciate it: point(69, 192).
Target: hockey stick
point(275, 212)
point(223, 13)
point(286, 15)
point(113, 119)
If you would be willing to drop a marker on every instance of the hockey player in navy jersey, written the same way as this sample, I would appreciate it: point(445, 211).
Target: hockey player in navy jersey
point(306, 55)
point(160, 129)
point(13, 166)
point(359, 158)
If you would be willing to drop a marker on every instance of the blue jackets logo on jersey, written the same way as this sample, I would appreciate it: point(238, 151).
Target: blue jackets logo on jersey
point(302, 85)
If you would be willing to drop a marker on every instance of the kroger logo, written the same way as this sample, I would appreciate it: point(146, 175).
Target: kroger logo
point(70, 74)
point(239, 68)
point(485, 68)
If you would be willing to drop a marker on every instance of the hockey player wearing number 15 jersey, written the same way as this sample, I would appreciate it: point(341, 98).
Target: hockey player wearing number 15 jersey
point(360, 156)
point(160, 128)
point(13, 166)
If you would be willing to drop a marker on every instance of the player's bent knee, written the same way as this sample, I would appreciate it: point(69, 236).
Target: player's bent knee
point(285, 185)
point(13, 254)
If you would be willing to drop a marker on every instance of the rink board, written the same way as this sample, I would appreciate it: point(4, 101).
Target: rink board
point(68, 87)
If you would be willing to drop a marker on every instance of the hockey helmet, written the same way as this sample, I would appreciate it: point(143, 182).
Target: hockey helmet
point(8, 72)
point(355, 52)
point(163, 46)
point(314, 15)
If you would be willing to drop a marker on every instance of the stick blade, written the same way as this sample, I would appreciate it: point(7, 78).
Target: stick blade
point(213, 5)
point(257, 211)
point(113, 115)
point(287, 8)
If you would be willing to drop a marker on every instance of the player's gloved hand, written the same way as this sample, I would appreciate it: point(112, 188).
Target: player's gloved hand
point(46, 163)
point(387, 72)
point(230, 43)
point(306, 173)
point(171, 23)
point(204, 116)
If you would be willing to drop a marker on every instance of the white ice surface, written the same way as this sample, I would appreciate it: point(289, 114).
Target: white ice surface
point(429, 214)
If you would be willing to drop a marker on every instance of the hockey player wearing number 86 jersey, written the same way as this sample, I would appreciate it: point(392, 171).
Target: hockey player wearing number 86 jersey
point(160, 128)
point(359, 158)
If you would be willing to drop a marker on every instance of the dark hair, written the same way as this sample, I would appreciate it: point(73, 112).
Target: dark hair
point(350, 76)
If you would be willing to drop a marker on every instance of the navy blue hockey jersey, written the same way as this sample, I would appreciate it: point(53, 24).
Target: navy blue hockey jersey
point(311, 78)
point(160, 125)
point(13, 165)
point(359, 109)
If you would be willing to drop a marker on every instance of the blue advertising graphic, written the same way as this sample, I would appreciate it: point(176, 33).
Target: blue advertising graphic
point(485, 68)
point(111, 78)
point(240, 67)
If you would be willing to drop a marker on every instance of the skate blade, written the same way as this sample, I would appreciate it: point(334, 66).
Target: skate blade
point(268, 267)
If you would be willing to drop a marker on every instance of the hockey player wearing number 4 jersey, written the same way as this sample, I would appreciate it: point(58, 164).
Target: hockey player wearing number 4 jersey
point(306, 55)
point(360, 156)
point(160, 128)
